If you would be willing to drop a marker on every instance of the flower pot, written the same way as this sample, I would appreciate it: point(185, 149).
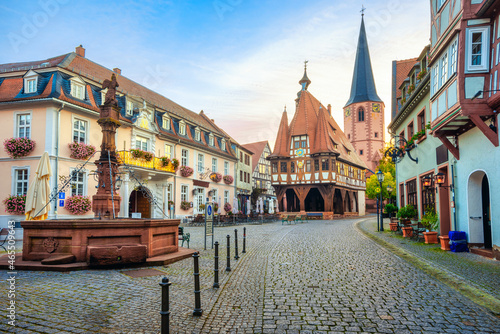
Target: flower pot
point(431, 237)
point(393, 227)
point(445, 242)
point(407, 231)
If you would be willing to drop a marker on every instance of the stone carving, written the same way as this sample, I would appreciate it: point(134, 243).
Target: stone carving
point(111, 93)
point(50, 245)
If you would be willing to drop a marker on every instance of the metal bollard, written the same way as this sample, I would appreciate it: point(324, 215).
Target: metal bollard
point(236, 257)
point(244, 239)
point(165, 306)
point(197, 302)
point(216, 266)
point(228, 265)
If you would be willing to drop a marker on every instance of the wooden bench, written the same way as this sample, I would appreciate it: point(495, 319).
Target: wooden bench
point(300, 218)
point(183, 236)
point(315, 215)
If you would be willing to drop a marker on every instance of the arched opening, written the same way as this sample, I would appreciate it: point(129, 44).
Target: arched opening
point(338, 204)
point(314, 201)
point(347, 201)
point(139, 203)
point(291, 202)
point(478, 196)
point(361, 114)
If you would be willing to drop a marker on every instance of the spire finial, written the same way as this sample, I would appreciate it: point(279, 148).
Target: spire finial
point(285, 108)
point(362, 10)
point(305, 64)
point(305, 82)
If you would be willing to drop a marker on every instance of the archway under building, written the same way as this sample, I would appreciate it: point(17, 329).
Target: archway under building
point(338, 203)
point(139, 203)
point(291, 202)
point(314, 201)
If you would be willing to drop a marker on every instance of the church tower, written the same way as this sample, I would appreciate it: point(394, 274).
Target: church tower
point(364, 111)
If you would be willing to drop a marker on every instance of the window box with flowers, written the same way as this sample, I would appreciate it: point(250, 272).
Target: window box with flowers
point(15, 205)
point(186, 171)
point(411, 88)
point(81, 151)
point(185, 205)
point(228, 179)
point(175, 163)
point(164, 161)
point(18, 147)
point(140, 154)
point(216, 177)
point(421, 74)
point(78, 205)
point(170, 203)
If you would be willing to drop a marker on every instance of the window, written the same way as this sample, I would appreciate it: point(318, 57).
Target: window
point(410, 130)
point(226, 168)
point(241, 175)
point(411, 191)
point(241, 156)
point(30, 85)
point(274, 166)
point(316, 165)
point(184, 193)
point(23, 129)
point(79, 131)
point(197, 135)
point(333, 165)
point(440, 3)
point(226, 196)
point(223, 145)
point(324, 164)
point(434, 78)
point(166, 122)
point(103, 95)
point(375, 134)
point(184, 157)
point(129, 108)
point(78, 184)
point(199, 200)
point(201, 163)
point(453, 57)
point(308, 166)
point(168, 151)
point(247, 160)
point(361, 115)
point(182, 128)
point(283, 167)
point(292, 167)
point(360, 152)
point(477, 49)
point(349, 136)
point(428, 195)
point(402, 195)
point(170, 192)
point(421, 121)
point(304, 143)
point(443, 65)
point(141, 143)
point(401, 135)
point(21, 179)
point(211, 140)
point(297, 144)
point(214, 165)
point(77, 90)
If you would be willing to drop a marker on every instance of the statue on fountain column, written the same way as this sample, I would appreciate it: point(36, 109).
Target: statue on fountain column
point(111, 93)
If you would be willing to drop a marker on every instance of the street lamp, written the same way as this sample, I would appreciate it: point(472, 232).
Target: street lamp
point(380, 178)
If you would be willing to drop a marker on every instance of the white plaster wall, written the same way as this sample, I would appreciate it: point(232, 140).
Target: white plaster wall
point(361, 203)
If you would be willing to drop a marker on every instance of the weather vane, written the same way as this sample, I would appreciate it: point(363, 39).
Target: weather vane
point(305, 64)
point(362, 10)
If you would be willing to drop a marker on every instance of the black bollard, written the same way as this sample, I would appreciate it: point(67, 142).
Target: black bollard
point(197, 302)
point(236, 257)
point(216, 266)
point(228, 265)
point(165, 306)
point(244, 239)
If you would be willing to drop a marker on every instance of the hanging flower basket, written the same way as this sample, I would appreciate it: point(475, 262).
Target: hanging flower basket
point(185, 205)
point(164, 161)
point(175, 163)
point(227, 208)
point(81, 151)
point(18, 147)
point(186, 171)
point(15, 205)
point(228, 179)
point(140, 154)
point(216, 177)
point(78, 205)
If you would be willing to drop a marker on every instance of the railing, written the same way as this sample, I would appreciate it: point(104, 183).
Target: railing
point(125, 157)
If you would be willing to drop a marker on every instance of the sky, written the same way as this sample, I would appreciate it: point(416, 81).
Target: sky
point(237, 60)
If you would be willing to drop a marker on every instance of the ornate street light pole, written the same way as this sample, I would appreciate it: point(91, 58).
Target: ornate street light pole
point(380, 178)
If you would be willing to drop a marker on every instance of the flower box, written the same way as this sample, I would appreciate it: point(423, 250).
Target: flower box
point(18, 147)
point(185, 205)
point(15, 205)
point(228, 179)
point(81, 151)
point(140, 154)
point(78, 205)
point(186, 171)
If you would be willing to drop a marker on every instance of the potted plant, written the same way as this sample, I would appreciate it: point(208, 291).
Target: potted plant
point(405, 214)
point(15, 204)
point(164, 161)
point(186, 171)
point(390, 209)
point(185, 205)
point(430, 221)
point(202, 207)
point(228, 179)
point(148, 156)
point(81, 151)
point(78, 205)
point(137, 154)
point(18, 147)
point(175, 163)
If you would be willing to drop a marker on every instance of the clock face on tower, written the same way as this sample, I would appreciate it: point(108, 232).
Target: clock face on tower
point(376, 107)
point(300, 152)
point(347, 111)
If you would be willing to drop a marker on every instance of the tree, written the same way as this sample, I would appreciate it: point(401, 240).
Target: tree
point(389, 169)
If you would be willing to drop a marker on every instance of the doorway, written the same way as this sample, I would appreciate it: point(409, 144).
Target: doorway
point(485, 197)
point(479, 207)
point(138, 202)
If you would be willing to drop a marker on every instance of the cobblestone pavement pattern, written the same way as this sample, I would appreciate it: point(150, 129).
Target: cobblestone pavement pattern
point(315, 277)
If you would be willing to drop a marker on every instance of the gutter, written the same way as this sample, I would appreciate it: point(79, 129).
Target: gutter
point(56, 175)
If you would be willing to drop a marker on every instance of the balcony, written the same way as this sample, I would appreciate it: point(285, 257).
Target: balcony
point(153, 168)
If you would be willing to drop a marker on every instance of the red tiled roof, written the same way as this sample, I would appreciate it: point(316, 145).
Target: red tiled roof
point(281, 147)
point(257, 148)
point(403, 67)
point(32, 64)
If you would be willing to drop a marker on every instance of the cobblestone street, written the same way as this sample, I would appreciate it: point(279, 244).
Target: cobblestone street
point(314, 277)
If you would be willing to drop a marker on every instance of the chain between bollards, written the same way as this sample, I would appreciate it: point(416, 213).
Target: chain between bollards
point(236, 257)
point(216, 266)
point(197, 301)
point(244, 239)
point(165, 306)
point(228, 258)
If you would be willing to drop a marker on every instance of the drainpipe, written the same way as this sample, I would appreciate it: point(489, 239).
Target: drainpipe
point(453, 194)
point(56, 174)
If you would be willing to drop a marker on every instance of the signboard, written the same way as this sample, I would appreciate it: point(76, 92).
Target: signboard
point(61, 202)
point(209, 222)
point(62, 195)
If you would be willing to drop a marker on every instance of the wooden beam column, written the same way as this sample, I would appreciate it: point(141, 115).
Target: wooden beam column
point(327, 191)
point(301, 193)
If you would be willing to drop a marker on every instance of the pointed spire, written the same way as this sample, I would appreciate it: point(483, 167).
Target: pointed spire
point(363, 84)
point(281, 145)
point(305, 82)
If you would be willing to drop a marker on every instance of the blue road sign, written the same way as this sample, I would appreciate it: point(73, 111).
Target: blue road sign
point(62, 195)
point(209, 210)
point(61, 202)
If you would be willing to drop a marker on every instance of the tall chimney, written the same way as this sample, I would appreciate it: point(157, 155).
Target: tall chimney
point(329, 109)
point(80, 50)
point(117, 70)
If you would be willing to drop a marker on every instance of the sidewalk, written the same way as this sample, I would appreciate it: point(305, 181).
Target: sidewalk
point(475, 276)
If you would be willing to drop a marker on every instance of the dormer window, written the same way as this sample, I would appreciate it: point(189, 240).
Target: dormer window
point(103, 95)
point(30, 82)
point(77, 88)
point(129, 108)
point(182, 128)
point(197, 134)
point(165, 120)
point(211, 140)
point(223, 145)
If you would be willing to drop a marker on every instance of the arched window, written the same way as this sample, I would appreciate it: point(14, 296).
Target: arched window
point(361, 115)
